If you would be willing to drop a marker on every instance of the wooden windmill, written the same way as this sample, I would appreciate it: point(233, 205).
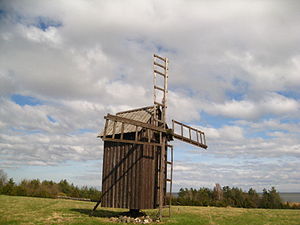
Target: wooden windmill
point(137, 159)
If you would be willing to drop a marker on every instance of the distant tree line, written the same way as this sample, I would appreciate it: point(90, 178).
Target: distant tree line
point(233, 197)
point(45, 189)
point(218, 196)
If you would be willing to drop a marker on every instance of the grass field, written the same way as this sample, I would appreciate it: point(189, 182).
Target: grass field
point(26, 210)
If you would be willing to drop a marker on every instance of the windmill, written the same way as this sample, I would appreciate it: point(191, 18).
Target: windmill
point(137, 158)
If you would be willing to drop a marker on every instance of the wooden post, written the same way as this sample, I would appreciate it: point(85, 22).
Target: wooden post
point(200, 137)
point(181, 130)
point(149, 135)
point(114, 129)
point(173, 126)
point(136, 133)
point(171, 183)
point(160, 137)
point(161, 176)
point(105, 128)
point(122, 130)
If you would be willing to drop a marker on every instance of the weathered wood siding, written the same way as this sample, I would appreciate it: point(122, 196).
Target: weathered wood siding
point(130, 176)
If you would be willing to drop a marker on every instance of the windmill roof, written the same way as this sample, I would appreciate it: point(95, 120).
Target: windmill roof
point(141, 114)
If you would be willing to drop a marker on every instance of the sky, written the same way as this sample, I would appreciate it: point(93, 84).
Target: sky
point(234, 73)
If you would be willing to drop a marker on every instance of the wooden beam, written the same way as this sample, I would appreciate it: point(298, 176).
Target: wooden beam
point(159, 88)
point(149, 136)
point(114, 129)
point(182, 124)
point(131, 141)
point(162, 176)
point(135, 110)
point(136, 133)
point(134, 122)
point(159, 57)
point(185, 139)
point(105, 128)
point(122, 130)
point(160, 73)
point(157, 64)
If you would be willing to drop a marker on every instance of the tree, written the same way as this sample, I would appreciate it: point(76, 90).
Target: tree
point(3, 177)
point(3, 180)
point(9, 187)
point(271, 199)
point(252, 200)
point(275, 200)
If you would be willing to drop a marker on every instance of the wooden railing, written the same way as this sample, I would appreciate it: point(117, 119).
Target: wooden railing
point(193, 136)
point(118, 133)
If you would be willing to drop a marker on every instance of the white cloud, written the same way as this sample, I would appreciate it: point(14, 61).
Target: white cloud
point(268, 76)
point(270, 124)
point(270, 104)
point(49, 36)
point(230, 133)
point(28, 149)
point(241, 173)
point(182, 107)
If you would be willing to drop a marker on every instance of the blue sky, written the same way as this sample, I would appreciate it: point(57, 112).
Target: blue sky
point(64, 66)
point(25, 100)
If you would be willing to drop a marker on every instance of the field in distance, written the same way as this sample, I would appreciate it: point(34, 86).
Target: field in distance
point(28, 210)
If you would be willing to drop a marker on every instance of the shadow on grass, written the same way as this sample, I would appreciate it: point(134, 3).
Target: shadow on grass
point(98, 212)
point(110, 213)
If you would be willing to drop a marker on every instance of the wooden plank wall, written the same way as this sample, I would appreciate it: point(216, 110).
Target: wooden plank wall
point(130, 177)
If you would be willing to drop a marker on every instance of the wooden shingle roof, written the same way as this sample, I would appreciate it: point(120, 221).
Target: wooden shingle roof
point(141, 114)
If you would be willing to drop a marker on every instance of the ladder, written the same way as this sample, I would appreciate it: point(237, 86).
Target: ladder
point(165, 188)
point(160, 70)
point(169, 179)
point(160, 90)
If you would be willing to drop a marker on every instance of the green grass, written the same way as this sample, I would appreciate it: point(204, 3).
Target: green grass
point(27, 210)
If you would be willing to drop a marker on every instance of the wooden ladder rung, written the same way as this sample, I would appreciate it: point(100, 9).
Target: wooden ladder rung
point(157, 64)
point(159, 88)
point(161, 58)
point(160, 73)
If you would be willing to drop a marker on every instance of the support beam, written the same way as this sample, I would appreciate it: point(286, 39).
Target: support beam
point(162, 177)
point(190, 141)
point(134, 122)
point(131, 141)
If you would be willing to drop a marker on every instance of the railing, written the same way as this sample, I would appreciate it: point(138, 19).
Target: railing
point(188, 134)
point(117, 131)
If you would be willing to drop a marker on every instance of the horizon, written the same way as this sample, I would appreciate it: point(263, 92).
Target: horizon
point(173, 192)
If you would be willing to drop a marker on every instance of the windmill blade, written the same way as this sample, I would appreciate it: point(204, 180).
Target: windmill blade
point(188, 134)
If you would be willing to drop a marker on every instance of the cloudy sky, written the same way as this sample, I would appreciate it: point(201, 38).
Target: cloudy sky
point(234, 73)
